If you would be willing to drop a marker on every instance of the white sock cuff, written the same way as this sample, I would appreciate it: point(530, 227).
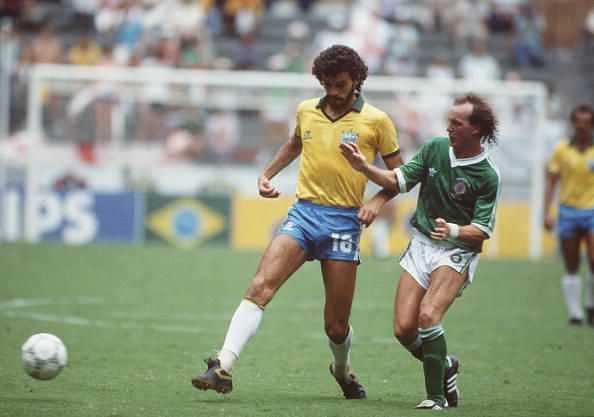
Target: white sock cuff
point(572, 277)
point(347, 341)
point(431, 333)
point(251, 304)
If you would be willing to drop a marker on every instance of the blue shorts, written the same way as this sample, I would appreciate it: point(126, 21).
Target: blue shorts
point(324, 232)
point(573, 222)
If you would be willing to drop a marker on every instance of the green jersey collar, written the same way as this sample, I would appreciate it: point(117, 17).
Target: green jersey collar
point(455, 162)
point(357, 105)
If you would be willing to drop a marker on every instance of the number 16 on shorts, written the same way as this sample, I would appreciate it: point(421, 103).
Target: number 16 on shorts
point(341, 243)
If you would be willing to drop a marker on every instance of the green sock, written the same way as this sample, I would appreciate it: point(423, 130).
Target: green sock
point(434, 362)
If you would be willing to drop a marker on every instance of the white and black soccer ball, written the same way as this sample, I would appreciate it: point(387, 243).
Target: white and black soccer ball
point(43, 356)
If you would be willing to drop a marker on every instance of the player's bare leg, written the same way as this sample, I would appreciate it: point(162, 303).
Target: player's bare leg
point(443, 289)
point(406, 314)
point(280, 260)
point(339, 284)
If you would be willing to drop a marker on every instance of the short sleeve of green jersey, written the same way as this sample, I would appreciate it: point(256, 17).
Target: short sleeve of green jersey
point(387, 138)
point(486, 206)
point(413, 172)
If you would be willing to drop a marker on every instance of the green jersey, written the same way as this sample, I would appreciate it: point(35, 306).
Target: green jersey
point(462, 191)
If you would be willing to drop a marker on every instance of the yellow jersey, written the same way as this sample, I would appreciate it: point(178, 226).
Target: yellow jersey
point(576, 171)
point(325, 177)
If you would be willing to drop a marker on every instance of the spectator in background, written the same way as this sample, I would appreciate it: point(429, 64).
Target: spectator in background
point(79, 15)
point(186, 142)
point(478, 64)
point(500, 17)
point(468, 21)
point(222, 134)
point(182, 18)
point(33, 16)
point(440, 68)
point(241, 16)
point(46, 48)
point(370, 34)
point(128, 34)
point(109, 15)
point(246, 53)
point(197, 51)
point(528, 26)
point(335, 33)
point(85, 51)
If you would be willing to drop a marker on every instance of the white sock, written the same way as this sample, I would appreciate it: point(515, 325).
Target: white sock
point(341, 365)
point(589, 298)
point(572, 290)
point(243, 326)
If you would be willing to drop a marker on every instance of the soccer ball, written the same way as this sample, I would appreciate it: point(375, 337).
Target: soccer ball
point(43, 356)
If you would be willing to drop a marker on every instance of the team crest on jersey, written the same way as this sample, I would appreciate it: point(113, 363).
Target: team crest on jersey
point(460, 188)
point(456, 258)
point(432, 172)
point(349, 137)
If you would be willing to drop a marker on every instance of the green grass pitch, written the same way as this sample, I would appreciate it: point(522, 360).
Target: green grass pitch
point(138, 322)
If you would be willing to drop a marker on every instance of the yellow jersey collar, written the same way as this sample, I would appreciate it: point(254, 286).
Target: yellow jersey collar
point(357, 105)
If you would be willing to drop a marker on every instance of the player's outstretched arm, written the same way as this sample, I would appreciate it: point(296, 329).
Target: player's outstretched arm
point(283, 157)
point(382, 177)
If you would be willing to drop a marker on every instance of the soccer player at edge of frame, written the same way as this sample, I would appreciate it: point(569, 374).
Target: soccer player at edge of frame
point(325, 222)
point(460, 188)
point(572, 167)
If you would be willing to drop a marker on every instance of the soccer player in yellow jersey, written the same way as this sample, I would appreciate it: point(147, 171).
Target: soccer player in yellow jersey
point(572, 165)
point(325, 222)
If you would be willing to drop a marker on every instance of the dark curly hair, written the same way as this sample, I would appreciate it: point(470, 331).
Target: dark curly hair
point(482, 115)
point(340, 58)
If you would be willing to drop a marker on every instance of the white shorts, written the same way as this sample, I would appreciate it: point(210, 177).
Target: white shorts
point(421, 258)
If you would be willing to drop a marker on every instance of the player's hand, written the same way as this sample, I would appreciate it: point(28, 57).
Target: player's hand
point(549, 222)
point(441, 230)
point(265, 189)
point(367, 214)
point(353, 155)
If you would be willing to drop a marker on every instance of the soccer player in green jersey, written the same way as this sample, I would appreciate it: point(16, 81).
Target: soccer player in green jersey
point(455, 213)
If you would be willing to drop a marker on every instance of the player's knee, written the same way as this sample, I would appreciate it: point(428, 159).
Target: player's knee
point(428, 316)
point(403, 330)
point(337, 331)
point(259, 292)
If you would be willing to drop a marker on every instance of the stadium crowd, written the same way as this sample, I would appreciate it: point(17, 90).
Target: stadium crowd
point(472, 39)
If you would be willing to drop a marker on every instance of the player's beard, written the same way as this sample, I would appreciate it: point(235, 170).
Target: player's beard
point(340, 103)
